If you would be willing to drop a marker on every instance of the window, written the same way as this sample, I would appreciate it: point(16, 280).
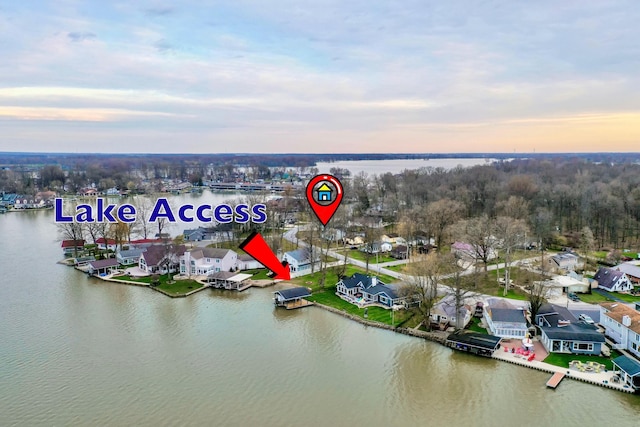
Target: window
point(583, 346)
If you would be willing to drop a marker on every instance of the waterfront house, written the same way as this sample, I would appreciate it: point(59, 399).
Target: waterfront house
point(129, 256)
point(631, 269)
point(612, 280)
point(106, 244)
point(363, 289)
point(290, 297)
point(247, 262)
point(103, 267)
point(204, 261)
point(69, 247)
point(628, 371)
point(505, 320)
point(443, 313)
point(299, 260)
point(564, 261)
point(622, 325)
point(562, 333)
point(161, 259)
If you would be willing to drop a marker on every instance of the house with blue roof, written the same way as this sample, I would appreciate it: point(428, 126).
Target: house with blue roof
point(612, 280)
point(563, 333)
point(300, 260)
point(361, 289)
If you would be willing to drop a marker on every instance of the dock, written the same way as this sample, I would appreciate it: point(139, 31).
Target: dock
point(292, 305)
point(555, 380)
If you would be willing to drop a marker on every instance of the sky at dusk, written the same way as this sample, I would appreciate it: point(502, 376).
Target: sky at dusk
point(319, 76)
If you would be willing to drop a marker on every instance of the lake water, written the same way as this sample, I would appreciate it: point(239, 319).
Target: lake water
point(76, 351)
point(379, 167)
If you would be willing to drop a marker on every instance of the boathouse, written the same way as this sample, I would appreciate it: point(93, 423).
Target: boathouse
point(291, 298)
point(629, 371)
point(228, 280)
point(102, 267)
point(472, 342)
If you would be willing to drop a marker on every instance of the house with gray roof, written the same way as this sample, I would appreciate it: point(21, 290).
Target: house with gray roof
point(631, 269)
point(564, 261)
point(443, 313)
point(204, 261)
point(561, 332)
point(129, 256)
point(504, 319)
point(102, 267)
point(612, 280)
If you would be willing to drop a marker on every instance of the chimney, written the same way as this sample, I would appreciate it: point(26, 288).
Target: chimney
point(626, 320)
point(374, 279)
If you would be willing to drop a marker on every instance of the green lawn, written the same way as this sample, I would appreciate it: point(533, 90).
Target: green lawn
point(626, 297)
point(258, 274)
point(399, 268)
point(361, 256)
point(599, 254)
point(593, 298)
point(331, 278)
point(474, 325)
point(377, 314)
point(488, 283)
point(563, 359)
point(180, 287)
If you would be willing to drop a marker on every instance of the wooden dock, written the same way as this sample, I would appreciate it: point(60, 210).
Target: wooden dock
point(292, 305)
point(555, 380)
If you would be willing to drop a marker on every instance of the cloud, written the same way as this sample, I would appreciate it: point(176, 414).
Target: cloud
point(159, 11)
point(80, 36)
point(353, 71)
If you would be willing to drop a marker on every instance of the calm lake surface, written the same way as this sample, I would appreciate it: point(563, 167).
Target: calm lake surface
point(76, 351)
point(379, 167)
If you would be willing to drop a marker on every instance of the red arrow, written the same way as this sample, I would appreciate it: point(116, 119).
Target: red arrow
point(255, 246)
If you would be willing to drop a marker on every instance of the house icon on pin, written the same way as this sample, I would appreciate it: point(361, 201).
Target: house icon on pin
point(324, 193)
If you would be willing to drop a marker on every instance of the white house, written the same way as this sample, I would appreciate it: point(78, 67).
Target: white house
point(129, 257)
point(505, 320)
point(299, 260)
point(160, 259)
point(377, 247)
point(564, 261)
point(612, 280)
point(204, 261)
point(622, 325)
point(444, 313)
point(104, 244)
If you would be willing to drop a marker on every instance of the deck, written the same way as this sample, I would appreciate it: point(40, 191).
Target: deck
point(292, 305)
point(555, 380)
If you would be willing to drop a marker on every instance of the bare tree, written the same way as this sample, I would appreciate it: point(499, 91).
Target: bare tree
point(422, 285)
point(144, 206)
point(71, 231)
point(511, 233)
point(459, 288)
point(537, 294)
point(442, 214)
point(479, 233)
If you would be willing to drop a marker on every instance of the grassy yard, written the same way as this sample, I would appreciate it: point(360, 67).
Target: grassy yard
point(312, 280)
point(361, 256)
point(258, 274)
point(180, 287)
point(593, 298)
point(488, 283)
point(399, 268)
point(627, 297)
point(474, 326)
point(377, 314)
point(562, 359)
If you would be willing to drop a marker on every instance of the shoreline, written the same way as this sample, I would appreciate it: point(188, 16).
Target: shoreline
point(441, 337)
point(438, 337)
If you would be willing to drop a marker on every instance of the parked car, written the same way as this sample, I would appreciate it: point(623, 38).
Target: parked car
point(573, 297)
point(586, 319)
